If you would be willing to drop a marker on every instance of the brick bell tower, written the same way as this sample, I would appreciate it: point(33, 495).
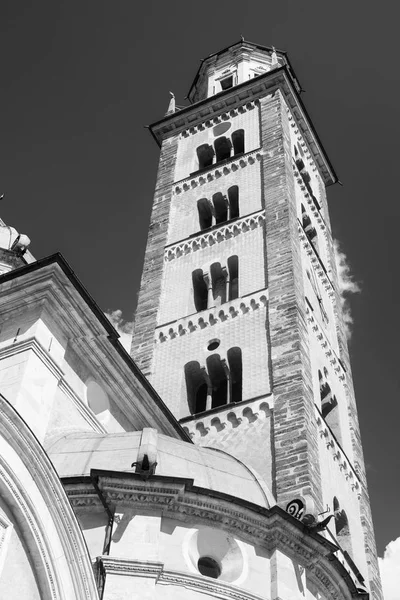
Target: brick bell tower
point(239, 325)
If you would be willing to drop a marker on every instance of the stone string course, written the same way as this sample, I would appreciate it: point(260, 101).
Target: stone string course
point(218, 171)
point(226, 116)
point(216, 236)
point(212, 316)
point(233, 416)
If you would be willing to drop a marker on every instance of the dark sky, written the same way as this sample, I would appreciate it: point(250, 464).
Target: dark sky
point(81, 78)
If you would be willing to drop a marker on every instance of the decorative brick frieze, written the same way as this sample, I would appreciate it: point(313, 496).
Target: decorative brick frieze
point(229, 416)
point(249, 92)
point(212, 316)
point(217, 235)
point(327, 349)
point(345, 472)
point(316, 263)
point(308, 199)
point(226, 116)
point(216, 171)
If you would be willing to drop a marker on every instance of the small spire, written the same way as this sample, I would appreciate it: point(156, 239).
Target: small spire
point(171, 105)
point(274, 56)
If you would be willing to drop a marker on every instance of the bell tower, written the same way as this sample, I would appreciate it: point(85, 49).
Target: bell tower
point(239, 325)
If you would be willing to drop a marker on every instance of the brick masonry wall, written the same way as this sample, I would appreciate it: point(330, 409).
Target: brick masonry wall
point(187, 161)
point(150, 287)
point(295, 433)
point(245, 330)
point(177, 297)
point(184, 212)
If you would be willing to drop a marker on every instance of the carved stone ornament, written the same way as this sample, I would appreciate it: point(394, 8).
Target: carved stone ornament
point(273, 529)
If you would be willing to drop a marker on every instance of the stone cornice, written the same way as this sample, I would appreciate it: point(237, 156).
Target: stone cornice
point(243, 94)
point(191, 581)
point(35, 346)
point(217, 235)
point(179, 499)
point(230, 166)
point(212, 316)
point(52, 286)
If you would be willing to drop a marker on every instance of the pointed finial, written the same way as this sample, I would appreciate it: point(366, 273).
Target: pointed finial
point(171, 105)
point(274, 57)
point(242, 38)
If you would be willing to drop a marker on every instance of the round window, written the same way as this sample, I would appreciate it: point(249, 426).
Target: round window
point(213, 344)
point(209, 567)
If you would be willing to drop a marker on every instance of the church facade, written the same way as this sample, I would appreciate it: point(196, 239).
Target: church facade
point(223, 459)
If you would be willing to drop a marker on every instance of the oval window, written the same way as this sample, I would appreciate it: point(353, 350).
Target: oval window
point(213, 344)
point(221, 128)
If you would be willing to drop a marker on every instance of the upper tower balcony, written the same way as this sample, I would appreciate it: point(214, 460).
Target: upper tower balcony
point(235, 65)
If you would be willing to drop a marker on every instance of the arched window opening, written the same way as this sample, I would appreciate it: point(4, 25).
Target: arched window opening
point(218, 373)
point(205, 213)
point(326, 397)
point(235, 369)
point(238, 142)
point(233, 196)
point(329, 405)
point(205, 155)
point(342, 527)
point(220, 207)
point(200, 290)
point(218, 278)
point(196, 386)
point(309, 230)
point(233, 270)
point(227, 82)
point(222, 147)
point(299, 163)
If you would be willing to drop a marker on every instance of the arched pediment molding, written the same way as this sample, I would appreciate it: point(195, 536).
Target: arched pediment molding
point(31, 489)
